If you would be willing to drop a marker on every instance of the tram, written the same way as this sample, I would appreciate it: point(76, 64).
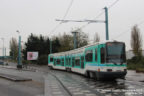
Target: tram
point(100, 60)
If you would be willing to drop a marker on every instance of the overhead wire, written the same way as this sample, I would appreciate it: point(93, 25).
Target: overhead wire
point(93, 19)
point(127, 29)
point(53, 30)
point(83, 26)
point(109, 7)
point(67, 11)
point(113, 4)
point(122, 33)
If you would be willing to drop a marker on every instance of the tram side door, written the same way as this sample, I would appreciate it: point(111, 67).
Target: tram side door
point(102, 55)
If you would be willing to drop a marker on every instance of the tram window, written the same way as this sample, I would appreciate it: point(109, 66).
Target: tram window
point(73, 61)
point(54, 61)
point(77, 61)
point(82, 62)
point(95, 54)
point(51, 59)
point(102, 55)
point(89, 56)
point(69, 61)
point(62, 62)
point(58, 61)
point(66, 61)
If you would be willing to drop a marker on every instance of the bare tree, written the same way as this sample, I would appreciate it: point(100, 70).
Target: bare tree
point(82, 38)
point(66, 42)
point(13, 48)
point(136, 41)
point(96, 38)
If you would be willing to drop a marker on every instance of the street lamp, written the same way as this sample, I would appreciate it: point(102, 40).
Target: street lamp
point(3, 48)
point(19, 65)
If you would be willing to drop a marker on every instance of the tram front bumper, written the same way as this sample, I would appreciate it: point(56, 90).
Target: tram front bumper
point(111, 74)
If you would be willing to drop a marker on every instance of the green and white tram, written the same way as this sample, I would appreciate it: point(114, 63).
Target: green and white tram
point(99, 60)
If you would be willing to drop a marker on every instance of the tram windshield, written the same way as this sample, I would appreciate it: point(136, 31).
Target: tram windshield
point(115, 52)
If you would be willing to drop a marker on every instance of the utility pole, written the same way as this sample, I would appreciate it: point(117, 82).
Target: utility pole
point(5, 52)
point(75, 39)
point(93, 21)
point(19, 65)
point(106, 23)
point(3, 48)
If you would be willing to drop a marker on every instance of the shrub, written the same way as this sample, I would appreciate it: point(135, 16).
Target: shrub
point(43, 60)
point(136, 63)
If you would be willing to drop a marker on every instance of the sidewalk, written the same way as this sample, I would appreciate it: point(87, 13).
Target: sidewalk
point(133, 76)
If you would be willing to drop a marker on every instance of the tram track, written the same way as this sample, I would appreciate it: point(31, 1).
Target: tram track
point(94, 87)
point(120, 85)
point(69, 79)
point(65, 88)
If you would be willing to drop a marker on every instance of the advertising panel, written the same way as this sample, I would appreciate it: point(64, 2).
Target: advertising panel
point(32, 55)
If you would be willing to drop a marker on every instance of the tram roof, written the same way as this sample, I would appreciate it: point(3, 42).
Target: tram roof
point(80, 50)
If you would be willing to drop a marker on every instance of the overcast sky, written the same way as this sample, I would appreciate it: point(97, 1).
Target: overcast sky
point(38, 17)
